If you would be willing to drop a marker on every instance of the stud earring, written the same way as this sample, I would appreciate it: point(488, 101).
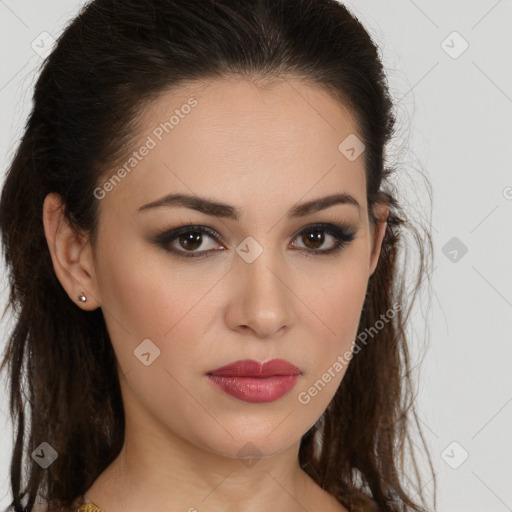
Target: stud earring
point(82, 298)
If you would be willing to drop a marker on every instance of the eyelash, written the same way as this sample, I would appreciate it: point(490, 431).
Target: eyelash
point(342, 234)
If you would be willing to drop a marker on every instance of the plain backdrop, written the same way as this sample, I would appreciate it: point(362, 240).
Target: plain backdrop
point(450, 72)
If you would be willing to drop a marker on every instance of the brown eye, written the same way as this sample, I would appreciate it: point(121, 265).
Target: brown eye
point(313, 239)
point(191, 240)
point(186, 240)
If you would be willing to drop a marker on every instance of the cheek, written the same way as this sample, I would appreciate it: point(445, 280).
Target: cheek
point(137, 302)
point(136, 298)
point(338, 303)
point(143, 300)
point(336, 311)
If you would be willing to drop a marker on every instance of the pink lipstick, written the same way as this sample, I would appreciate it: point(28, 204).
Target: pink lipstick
point(255, 382)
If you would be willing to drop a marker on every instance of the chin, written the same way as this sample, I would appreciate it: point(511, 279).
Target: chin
point(253, 445)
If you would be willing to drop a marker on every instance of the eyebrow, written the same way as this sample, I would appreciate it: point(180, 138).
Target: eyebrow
point(217, 209)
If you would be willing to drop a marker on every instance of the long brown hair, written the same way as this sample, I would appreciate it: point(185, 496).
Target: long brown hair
point(109, 63)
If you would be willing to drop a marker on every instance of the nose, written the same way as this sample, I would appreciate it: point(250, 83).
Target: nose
point(261, 300)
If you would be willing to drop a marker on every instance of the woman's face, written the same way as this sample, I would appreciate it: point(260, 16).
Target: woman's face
point(246, 287)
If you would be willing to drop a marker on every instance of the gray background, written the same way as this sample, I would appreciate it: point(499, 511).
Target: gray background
point(454, 112)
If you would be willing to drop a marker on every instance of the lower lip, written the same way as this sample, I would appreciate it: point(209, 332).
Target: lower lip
point(255, 389)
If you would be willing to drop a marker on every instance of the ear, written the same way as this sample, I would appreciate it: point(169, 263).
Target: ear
point(71, 254)
point(379, 230)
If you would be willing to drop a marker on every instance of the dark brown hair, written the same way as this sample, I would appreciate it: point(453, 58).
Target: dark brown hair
point(111, 61)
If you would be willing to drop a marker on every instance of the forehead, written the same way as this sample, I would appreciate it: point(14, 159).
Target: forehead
point(232, 138)
point(253, 112)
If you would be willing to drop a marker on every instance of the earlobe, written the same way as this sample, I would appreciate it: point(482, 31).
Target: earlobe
point(70, 254)
point(379, 231)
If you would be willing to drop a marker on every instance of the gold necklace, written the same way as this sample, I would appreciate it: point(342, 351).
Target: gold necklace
point(88, 506)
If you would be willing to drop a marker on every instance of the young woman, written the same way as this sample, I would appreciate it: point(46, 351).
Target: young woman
point(203, 246)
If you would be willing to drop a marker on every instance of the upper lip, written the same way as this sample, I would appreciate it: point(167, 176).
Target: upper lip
point(251, 368)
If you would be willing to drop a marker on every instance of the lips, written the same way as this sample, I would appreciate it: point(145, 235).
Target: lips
point(254, 382)
point(251, 368)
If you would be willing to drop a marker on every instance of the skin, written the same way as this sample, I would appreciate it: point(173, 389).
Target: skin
point(262, 150)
